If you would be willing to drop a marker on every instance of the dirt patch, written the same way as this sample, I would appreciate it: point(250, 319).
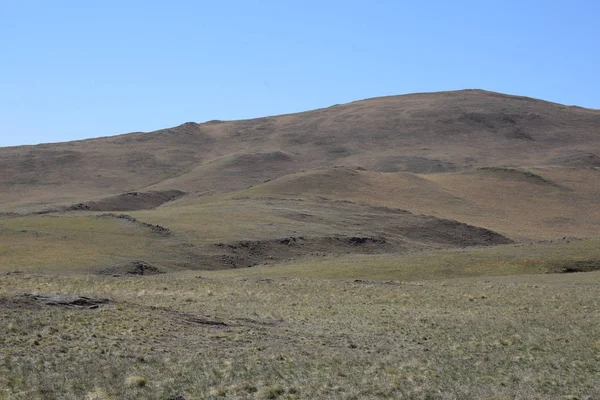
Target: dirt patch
point(262, 322)
point(36, 301)
point(157, 229)
point(14, 273)
point(136, 267)
point(361, 240)
point(190, 319)
point(202, 321)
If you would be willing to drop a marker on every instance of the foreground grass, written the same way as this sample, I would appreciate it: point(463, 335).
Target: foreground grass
point(517, 259)
point(527, 337)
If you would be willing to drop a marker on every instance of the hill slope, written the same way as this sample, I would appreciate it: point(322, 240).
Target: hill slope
point(431, 132)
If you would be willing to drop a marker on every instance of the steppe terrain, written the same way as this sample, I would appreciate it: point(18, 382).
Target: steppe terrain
point(426, 246)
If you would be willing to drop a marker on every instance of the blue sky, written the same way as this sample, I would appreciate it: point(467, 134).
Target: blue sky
point(79, 69)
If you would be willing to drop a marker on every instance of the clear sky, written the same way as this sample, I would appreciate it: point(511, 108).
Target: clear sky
point(79, 69)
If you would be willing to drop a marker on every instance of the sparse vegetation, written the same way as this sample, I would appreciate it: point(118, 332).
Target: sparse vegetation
point(503, 337)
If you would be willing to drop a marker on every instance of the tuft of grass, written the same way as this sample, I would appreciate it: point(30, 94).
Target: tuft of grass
point(136, 381)
point(97, 395)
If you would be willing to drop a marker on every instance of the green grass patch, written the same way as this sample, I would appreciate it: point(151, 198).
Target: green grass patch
point(71, 243)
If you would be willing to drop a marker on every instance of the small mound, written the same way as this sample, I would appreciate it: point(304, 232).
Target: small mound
point(131, 201)
point(417, 165)
point(579, 159)
point(136, 267)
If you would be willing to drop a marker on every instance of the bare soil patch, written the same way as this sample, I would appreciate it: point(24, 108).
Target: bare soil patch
point(136, 267)
point(190, 319)
point(36, 301)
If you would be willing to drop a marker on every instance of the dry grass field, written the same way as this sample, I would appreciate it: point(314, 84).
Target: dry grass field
point(238, 337)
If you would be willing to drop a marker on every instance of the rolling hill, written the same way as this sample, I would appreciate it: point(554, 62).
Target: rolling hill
point(386, 175)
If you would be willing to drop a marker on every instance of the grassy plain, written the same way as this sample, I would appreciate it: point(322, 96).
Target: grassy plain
point(211, 337)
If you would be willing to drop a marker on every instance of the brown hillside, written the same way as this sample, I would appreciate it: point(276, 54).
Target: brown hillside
point(423, 133)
